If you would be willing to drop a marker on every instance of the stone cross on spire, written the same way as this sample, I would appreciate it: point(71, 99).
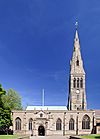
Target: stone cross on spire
point(76, 24)
point(76, 40)
point(76, 35)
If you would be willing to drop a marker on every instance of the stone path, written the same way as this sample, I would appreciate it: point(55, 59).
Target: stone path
point(50, 137)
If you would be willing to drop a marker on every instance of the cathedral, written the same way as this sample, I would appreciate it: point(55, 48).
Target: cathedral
point(73, 119)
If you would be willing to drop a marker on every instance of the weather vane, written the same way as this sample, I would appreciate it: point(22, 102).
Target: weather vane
point(76, 24)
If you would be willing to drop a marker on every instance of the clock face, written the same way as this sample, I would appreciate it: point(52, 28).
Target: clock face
point(77, 91)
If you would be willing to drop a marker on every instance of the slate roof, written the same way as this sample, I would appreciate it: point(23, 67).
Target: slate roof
point(46, 108)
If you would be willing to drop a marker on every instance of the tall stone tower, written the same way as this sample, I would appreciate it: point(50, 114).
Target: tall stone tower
point(77, 93)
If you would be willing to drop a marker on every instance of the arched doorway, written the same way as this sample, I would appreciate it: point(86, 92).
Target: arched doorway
point(41, 131)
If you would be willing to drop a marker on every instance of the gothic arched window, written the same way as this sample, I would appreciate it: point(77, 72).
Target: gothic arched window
point(71, 124)
point(58, 124)
point(81, 83)
point(18, 124)
point(77, 62)
point(30, 123)
point(77, 82)
point(41, 115)
point(86, 122)
point(74, 83)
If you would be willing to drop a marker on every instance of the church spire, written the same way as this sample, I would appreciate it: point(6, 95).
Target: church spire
point(77, 93)
point(76, 40)
point(76, 35)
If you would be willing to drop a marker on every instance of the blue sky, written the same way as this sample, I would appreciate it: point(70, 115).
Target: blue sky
point(36, 44)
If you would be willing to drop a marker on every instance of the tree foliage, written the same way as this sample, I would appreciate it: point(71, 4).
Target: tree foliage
point(12, 100)
point(2, 92)
point(5, 112)
point(8, 101)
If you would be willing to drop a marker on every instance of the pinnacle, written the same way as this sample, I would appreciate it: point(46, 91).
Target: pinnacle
point(76, 35)
point(76, 41)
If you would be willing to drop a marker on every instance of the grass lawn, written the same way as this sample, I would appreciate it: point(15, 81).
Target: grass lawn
point(8, 136)
point(95, 136)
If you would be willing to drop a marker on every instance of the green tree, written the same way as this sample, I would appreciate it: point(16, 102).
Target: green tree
point(5, 112)
point(12, 100)
point(2, 92)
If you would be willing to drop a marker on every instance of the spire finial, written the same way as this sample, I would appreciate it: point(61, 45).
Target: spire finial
point(76, 35)
point(76, 24)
